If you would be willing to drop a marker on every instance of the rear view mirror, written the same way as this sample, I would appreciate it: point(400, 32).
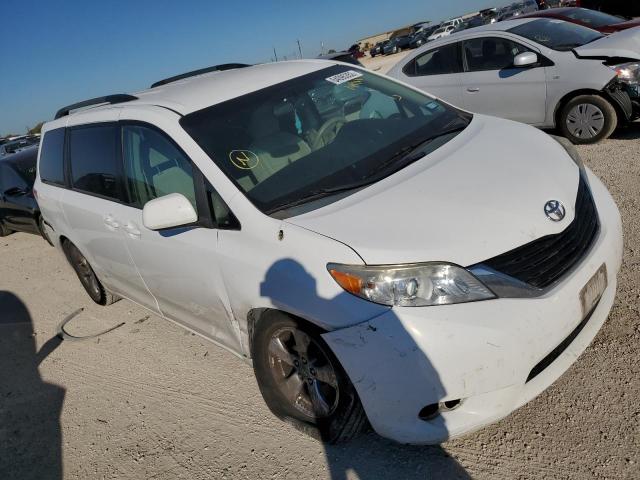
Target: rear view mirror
point(525, 59)
point(173, 210)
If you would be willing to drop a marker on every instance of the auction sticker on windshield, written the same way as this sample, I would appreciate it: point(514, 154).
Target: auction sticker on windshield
point(343, 77)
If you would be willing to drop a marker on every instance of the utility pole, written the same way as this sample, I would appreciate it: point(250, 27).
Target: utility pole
point(299, 48)
point(275, 54)
point(321, 48)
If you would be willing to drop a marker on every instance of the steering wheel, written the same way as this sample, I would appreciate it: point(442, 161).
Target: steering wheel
point(327, 132)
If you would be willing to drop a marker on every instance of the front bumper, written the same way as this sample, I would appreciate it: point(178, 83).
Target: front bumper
point(480, 352)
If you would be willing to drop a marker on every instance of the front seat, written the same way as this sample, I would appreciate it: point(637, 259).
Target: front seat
point(274, 147)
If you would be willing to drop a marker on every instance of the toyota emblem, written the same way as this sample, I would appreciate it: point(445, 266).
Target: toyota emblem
point(554, 210)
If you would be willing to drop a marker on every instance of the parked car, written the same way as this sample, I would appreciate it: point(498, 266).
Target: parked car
point(420, 38)
point(344, 56)
point(602, 22)
point(544, 72)
point(231, 205)
point(440, 33)
point(396, 44)
point(626, 8)
point(19, 210)
point(510, 12)
point(17, 145)
point(378, 48)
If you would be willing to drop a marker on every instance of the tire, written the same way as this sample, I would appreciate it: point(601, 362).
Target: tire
point(587, 119)
point(43, 231)
point(291, 361)
point(4, 231)
point(87, 276)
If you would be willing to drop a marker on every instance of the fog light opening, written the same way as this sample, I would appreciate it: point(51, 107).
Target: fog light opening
point(431, 411)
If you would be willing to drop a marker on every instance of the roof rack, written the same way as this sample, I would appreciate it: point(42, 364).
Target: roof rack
point(108, 99)
point(215, 68)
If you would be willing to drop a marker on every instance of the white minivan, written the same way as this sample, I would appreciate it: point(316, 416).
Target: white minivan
point(377, 255)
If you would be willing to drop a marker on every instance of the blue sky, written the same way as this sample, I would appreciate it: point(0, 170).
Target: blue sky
point(58, 52)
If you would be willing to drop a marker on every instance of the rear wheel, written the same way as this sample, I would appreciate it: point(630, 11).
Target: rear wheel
point(588, 119)
point(4, 231)
point(87, 276)
point(302, 381)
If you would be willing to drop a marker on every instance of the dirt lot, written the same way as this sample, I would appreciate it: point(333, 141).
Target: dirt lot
point(150, 400)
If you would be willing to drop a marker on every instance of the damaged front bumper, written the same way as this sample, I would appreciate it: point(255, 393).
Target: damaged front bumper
point(481, 353)
point(626, 97)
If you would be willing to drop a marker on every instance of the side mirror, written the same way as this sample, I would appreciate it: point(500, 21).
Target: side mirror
point(525, 59)
point(173, 210)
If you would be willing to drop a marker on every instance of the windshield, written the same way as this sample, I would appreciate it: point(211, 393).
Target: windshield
point(592, 18)
point(556, 34)
point(324, 131)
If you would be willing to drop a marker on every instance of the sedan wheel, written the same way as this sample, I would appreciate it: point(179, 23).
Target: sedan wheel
point(587, 119)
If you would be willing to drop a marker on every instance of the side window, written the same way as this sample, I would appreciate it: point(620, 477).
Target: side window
point(440, 61)
point(51, 166)
point(490, 53)
point(93, 153)
point(154, 166)
point(223, 216)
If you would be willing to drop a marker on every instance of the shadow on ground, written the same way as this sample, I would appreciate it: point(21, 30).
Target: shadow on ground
point(627, 132)
point(30, 435)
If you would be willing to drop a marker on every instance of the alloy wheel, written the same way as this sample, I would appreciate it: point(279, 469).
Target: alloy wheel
point(303, 372)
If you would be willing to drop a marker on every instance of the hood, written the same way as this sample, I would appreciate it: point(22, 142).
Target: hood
point(479, 195)
point(625, 43)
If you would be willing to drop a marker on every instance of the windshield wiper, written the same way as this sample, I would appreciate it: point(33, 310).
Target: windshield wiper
point(405, 156)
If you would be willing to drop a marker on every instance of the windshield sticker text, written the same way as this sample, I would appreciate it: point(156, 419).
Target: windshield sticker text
point(244, 159)
point(343, 77)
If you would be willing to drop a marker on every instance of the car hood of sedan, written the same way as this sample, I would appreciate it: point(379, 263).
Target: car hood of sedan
point(479, 195)
point(625, 44)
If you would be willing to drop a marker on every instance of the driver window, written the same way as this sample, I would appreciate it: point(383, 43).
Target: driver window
point(491, 53)
point(154, 167)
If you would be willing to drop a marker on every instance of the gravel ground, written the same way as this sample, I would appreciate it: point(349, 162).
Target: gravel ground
point(150, 400)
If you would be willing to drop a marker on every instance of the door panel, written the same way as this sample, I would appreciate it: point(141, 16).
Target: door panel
point(492, 86)
point(179, 265)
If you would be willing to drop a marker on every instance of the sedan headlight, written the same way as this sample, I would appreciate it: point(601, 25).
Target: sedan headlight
point(413, 285)
point(571, 150)
point(627, 72)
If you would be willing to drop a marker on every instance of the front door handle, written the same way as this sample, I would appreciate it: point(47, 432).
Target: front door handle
point(473, 89)
point(110, 222)
point(132, 230)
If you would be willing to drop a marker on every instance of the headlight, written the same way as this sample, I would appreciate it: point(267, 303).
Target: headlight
point(627, 72)
point(571, 150)
point(410, 285)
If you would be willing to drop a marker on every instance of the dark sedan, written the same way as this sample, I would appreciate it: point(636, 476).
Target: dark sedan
point(396, 45)
point(19, 210)
point(603, 22)
point(377, 48)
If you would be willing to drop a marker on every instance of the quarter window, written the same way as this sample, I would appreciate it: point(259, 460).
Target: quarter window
point(94, 160)
point(491, 53)
point(440, 61)
point(51, 165)
point(154, 166)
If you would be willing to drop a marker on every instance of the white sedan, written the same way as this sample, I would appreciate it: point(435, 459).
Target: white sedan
point(544, 72)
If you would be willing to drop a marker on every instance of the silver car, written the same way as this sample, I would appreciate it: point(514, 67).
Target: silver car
point(544, 72)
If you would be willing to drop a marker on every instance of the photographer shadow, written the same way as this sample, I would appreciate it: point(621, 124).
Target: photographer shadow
point(292, 289)
point(30, 433)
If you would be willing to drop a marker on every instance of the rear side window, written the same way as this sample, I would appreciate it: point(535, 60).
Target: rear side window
point(439, 61)
point(51, 165)
point(93, 153)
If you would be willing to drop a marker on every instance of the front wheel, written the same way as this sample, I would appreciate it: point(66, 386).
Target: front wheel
point(302, 381)
point(587, 119)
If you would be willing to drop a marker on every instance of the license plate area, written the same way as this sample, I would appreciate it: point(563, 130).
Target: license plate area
point(593, 290)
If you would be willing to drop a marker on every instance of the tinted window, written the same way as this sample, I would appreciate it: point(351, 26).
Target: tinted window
point(51, 165)
point(556, 34)
point(94, 160)
point(490, 53)
point(313, 135)
point(440, 61)
point(154, 166)
point(592, 18)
